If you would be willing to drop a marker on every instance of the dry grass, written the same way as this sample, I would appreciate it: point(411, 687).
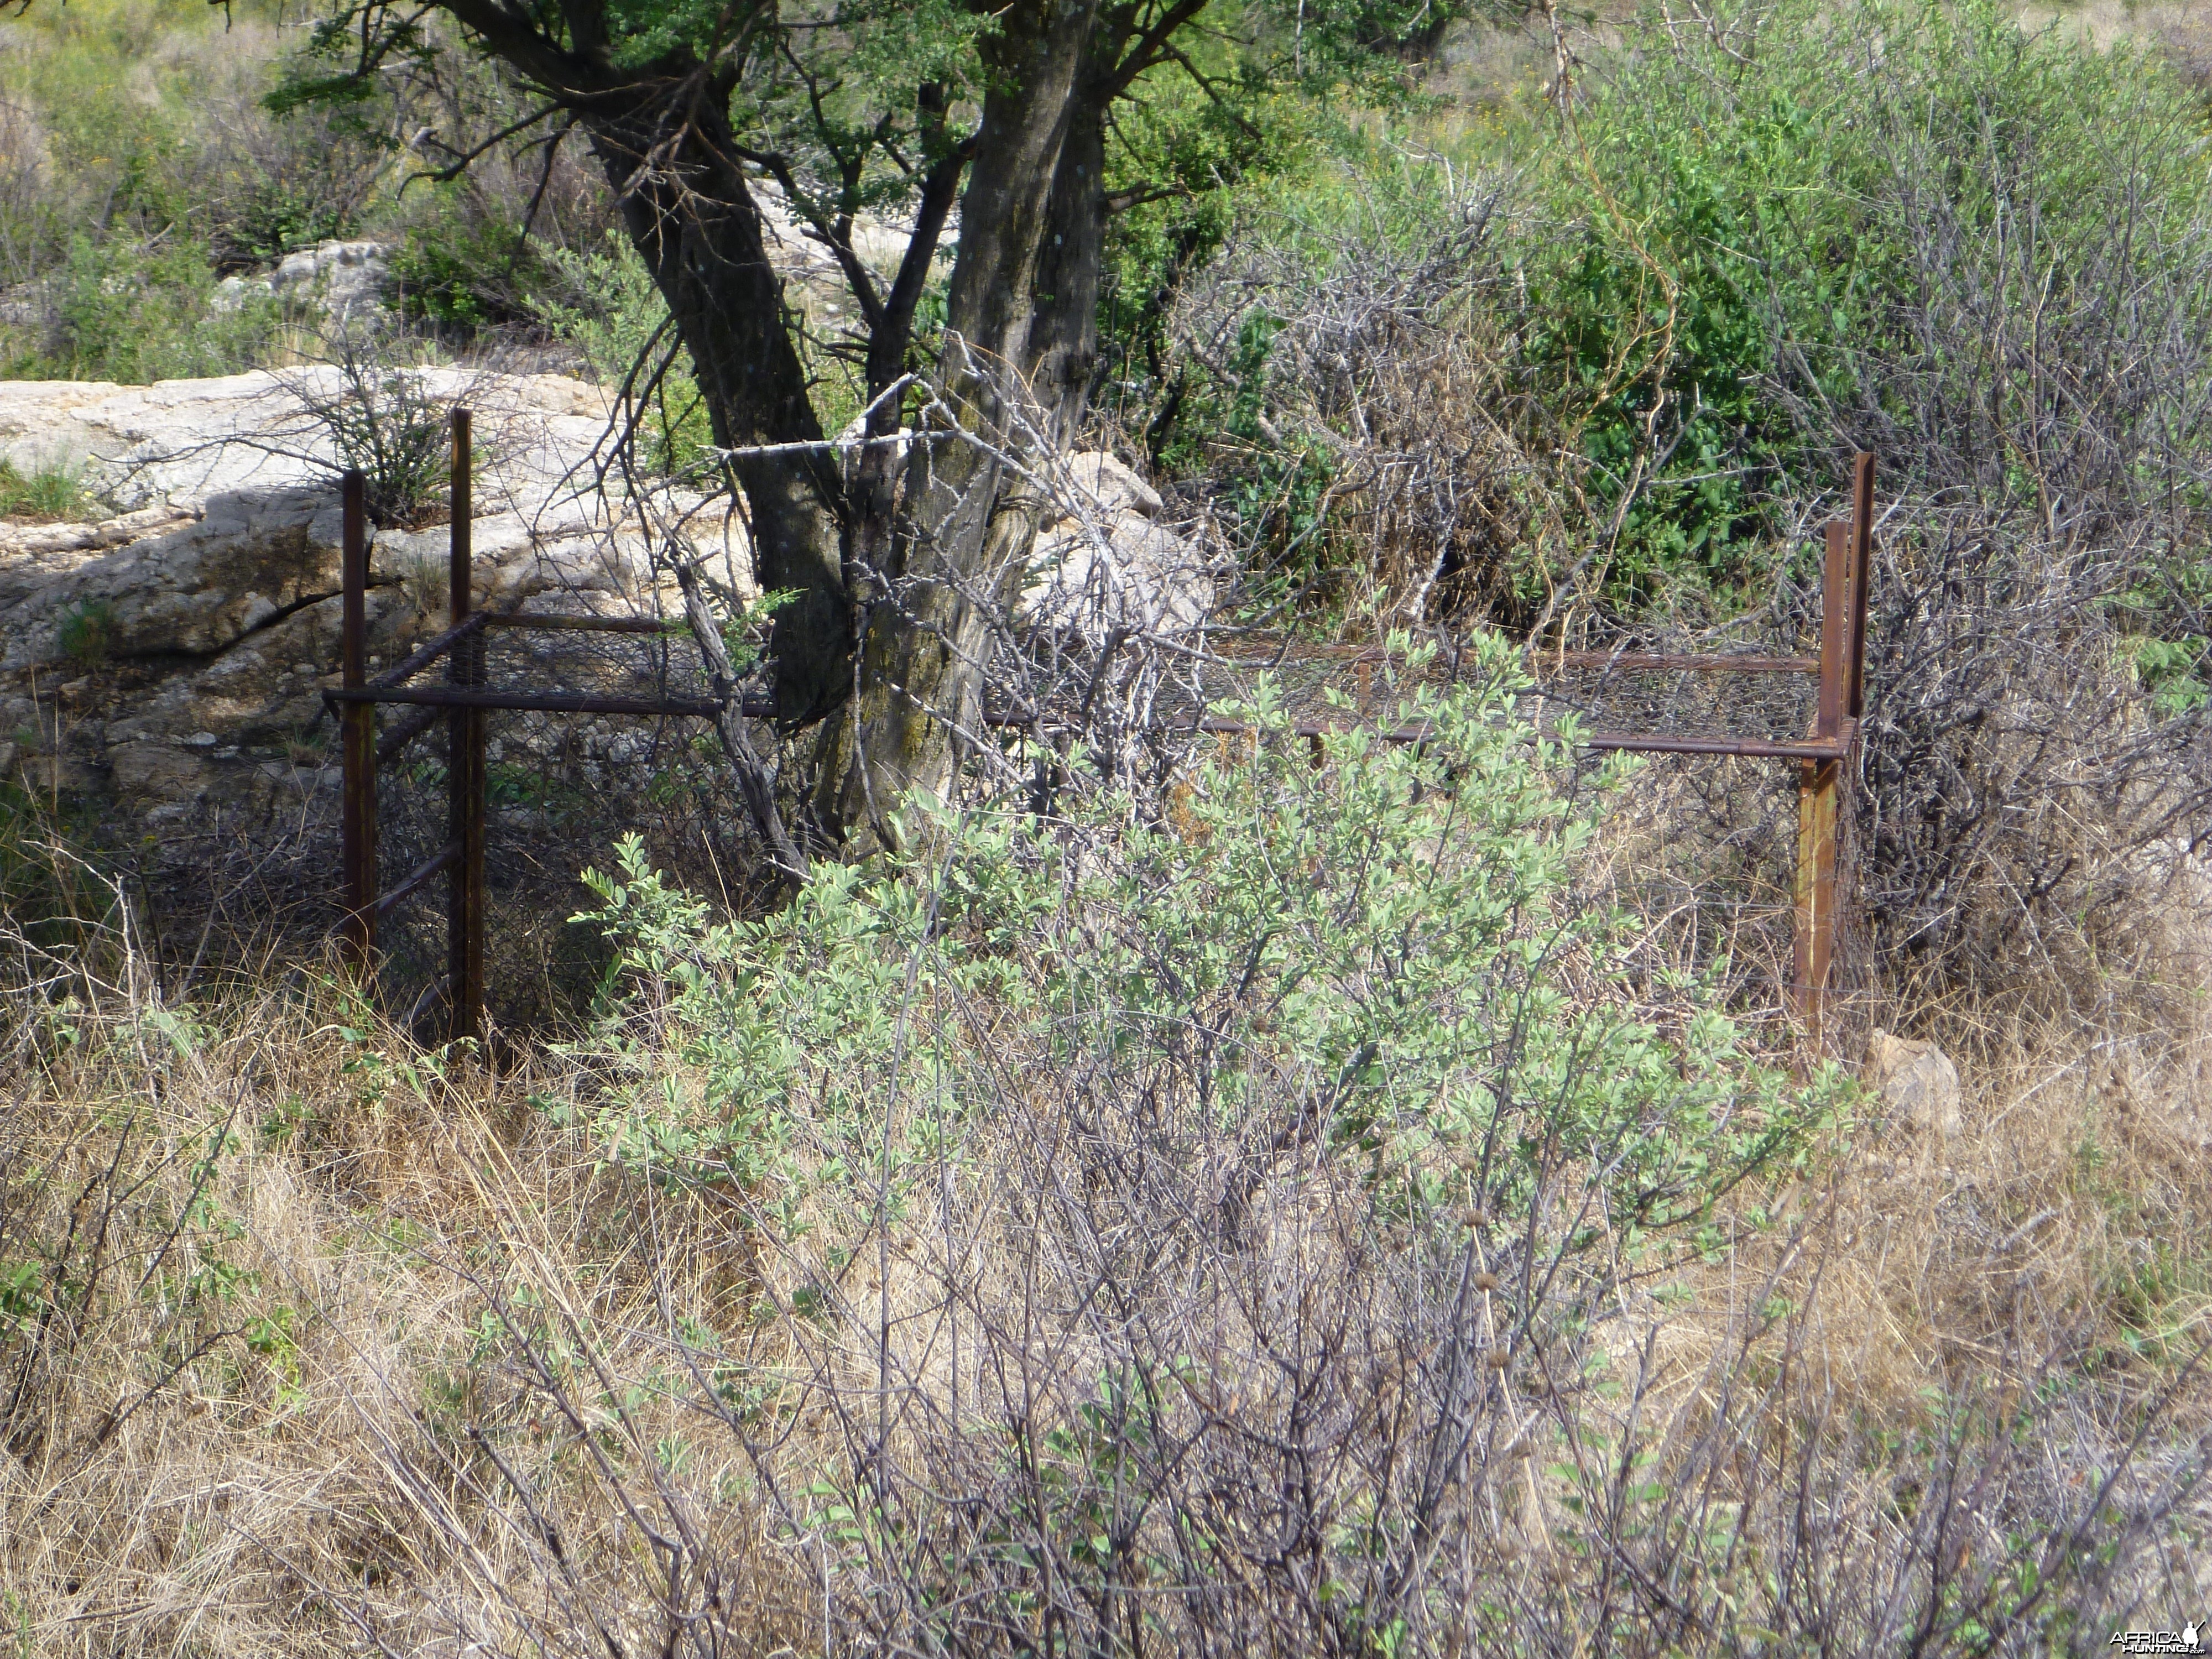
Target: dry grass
point(326, 1348)
point(2065, 1220)
point(246, 1421)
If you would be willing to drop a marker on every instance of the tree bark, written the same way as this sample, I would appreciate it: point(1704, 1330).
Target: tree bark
point(672, 159)
point(1020, 335)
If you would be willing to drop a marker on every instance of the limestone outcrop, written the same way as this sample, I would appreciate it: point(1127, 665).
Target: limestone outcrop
point(344, 280)
point(171, 655)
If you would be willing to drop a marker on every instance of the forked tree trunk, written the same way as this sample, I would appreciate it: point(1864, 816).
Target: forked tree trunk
point(917, 596)
point(913, 583)
point(1020, 338)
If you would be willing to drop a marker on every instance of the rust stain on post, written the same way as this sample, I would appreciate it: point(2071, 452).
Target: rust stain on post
point(1817, 786)
point(464, 767)
point(1861, 578)
point(357, 735)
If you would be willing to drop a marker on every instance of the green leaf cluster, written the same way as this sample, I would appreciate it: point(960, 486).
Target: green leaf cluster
point(465, 270)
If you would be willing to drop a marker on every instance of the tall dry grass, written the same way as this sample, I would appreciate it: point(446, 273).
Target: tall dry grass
point(313, 1342)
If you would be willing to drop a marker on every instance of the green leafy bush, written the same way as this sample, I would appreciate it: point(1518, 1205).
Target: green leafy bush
point(269, 217)
point(465, 270)
point(1784, 219)
point(613, 315)
point(1396, 960)
point(137, 312)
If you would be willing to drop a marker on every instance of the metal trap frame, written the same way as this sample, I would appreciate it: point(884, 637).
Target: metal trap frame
point(1823, 757)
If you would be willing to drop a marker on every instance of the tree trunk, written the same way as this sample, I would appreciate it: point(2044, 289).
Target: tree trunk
point(672, 159)
point(915, 578)
point(1020, 335)
point(1070, 265)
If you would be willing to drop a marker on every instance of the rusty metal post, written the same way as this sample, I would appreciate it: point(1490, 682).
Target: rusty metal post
point(1862, 577)
point(465, 769)
point(357, 735)
point(1817, 787)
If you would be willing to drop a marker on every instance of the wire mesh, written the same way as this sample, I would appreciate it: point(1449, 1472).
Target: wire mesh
point(561, 789)
point(1743, 695)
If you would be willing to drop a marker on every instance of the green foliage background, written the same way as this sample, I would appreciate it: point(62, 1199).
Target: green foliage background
point(1708, 275)
point(1736, 210)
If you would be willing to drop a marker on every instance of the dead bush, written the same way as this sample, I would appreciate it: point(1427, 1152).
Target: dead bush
point(1373, 447)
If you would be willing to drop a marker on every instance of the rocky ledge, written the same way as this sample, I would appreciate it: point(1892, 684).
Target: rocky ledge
point(167, 661)
point(171, 658)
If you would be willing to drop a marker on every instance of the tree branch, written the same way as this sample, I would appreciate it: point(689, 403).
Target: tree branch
point(754, 782)
point(1153, 46)
point(442, 175)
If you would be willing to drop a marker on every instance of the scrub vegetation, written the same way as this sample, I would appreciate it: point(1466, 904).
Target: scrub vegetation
point(1195, 1201)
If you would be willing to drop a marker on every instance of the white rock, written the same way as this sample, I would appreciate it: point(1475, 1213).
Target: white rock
point(1917, 1082)
point(196, 590)
point(43, 541)
point(1116, 570)
point(1103, 562)
point(220, 593)
point(1106, 484)
point(345, 279)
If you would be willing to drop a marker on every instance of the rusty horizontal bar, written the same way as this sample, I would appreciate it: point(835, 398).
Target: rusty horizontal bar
point(1810, 748)
point(1667, 663)
point(556, 702)
point(427, 653)
point(438, 861)
point(1315, 729)
point(405, 733)
point(582, 624)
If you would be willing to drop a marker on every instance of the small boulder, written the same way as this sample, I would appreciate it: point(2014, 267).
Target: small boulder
point(1103, 562)
point(1917, 1082)
point(1105, 480)
point(1119, 570)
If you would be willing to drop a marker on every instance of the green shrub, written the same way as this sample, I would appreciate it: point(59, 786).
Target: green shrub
point(137, 312)
point(612, 313)
point(1790, 217)
point(271, 217)
point(465, 270)
point(1396, 957)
